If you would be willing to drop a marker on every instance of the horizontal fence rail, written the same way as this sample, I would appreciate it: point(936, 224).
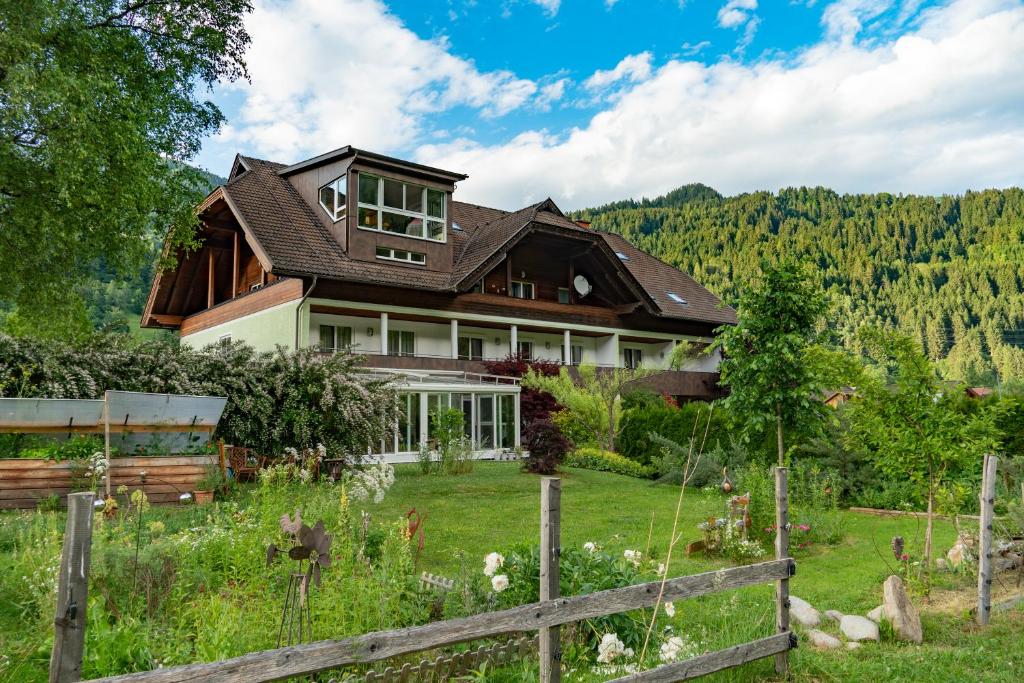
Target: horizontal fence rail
point(298, 660)
point(709, 663)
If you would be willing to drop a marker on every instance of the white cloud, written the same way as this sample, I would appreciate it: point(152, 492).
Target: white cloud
point(550, 7)
point(634, 68)
point(551, 93)
point(844, 19)
point(939, 109)
point(355, 74)
point(735, 13)
point(691, 49)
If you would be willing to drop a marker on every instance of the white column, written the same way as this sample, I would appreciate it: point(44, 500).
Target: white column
point(455, 338)
point(424, 436)
point(513, 342)
point(567, 348)
point(518, 441)
point(383, 334)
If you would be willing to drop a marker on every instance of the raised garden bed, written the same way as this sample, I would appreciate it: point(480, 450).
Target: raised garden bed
point(24, 481)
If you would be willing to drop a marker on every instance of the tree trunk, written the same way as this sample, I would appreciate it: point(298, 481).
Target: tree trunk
point(611, 424)
point(778, 432)
point(928, 530)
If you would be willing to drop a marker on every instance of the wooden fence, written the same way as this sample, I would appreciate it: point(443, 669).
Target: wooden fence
point(23, 481)
point(544, 616)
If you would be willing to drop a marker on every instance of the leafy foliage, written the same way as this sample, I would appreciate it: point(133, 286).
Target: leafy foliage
point(547, 447)
point(533, 403)
point(765, 362)
point(99, 101)
point(608, 461)
point(675, 423)
point(275, 399)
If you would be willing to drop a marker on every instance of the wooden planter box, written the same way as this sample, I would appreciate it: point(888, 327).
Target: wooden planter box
point(23, 481)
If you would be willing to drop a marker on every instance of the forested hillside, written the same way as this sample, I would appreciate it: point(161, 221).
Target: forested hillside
point(948, 270)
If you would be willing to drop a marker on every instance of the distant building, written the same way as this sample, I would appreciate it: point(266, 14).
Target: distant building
point(836, 397)
point(978, 392)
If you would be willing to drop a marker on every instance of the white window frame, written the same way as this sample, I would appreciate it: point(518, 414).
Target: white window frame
point(470, 339)
point(421, 262)
point(335, 329)
point(396, 349)
point(523, 284)
point(573, 348)
point(632, 357)
point(519, 346)
point(338, 213)
point(379, 207)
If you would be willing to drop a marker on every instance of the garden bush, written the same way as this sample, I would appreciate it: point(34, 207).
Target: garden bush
point(275, 399)
point(670, 422)
point(607, 461)
point(547, 447)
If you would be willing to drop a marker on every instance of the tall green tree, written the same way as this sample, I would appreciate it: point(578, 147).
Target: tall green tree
point(772, 381)
point(100, 101)
point(911, 428)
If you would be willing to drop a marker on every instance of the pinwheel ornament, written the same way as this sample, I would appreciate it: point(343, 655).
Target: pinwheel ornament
point(313, 546)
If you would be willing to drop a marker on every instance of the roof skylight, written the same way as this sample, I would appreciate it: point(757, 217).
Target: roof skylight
point(622, 256)
point(675, 297)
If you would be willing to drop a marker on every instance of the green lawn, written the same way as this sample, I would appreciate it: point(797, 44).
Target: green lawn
point(497, 506)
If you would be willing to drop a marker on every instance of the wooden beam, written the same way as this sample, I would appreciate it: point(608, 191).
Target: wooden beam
point(210, 281)
point(72, 592)
point(713, 661)
point(299, 660)
point(169, 320)
point(234, 268)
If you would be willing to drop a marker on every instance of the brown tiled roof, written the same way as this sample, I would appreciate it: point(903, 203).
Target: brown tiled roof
point(659, 278)
point(298, 243)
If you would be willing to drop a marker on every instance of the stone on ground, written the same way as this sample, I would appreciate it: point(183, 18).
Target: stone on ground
point(802, 612)
point(900, 612)
point(875, 615)
point(852, 646)
point(822, 640)
point(834, 614)
point(857, 628)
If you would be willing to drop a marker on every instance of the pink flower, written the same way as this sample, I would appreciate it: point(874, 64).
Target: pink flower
point(905, 557)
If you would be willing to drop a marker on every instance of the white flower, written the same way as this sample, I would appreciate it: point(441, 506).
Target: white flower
point(590, 547)
point(492, 563)
point(671, 648)
point(632, 556)
point(661, 569)
point(670, 609)
point(610, 648)
point(499, 583)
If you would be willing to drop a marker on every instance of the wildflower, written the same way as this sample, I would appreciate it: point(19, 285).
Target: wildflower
point(590, 547)
point(671, 649)
point(499, 583)
point(670, 609)
point(904, 557)
point(661, 569)
point(611, 647)
point(492, 563)
point(632, 556)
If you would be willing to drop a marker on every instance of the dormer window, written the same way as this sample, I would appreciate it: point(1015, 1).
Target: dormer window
point(333, 198)
point(388, 205)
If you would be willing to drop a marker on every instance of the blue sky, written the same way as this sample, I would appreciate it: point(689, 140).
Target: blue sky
point(590, 100)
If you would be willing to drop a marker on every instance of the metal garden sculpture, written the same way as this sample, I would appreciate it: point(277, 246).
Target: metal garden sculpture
point(313, 547)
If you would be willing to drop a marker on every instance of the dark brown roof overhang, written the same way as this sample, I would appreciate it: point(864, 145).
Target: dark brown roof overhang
point(372, 158)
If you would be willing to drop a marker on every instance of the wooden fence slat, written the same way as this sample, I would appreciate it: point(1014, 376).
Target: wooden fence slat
point(297, 660)
point(711, 662)
point(782, 552)
point(987, 503)
point(550, 548)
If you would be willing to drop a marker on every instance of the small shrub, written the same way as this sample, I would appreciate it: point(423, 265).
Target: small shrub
point(50, 503)
point(547, 446)
point(676, 424)
point(607, 461)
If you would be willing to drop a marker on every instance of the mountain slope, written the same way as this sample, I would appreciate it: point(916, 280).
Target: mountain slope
point(948, 270)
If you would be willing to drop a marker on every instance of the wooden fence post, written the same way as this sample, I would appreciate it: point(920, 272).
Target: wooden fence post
point(550, 551)
point(72, 591)
point(987, 503)
point(781, 553)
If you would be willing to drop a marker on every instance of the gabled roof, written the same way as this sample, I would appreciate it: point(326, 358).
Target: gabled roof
point(289, 235)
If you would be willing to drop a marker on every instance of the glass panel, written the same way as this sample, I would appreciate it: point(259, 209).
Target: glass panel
point(577, 355)
point(343, 337)
point(563, 295)
point(418, 258)
point(464, 348)
point(409, 424)
point(435, 230)
point(403, 421)
point(486, 420)
point(392, 194)
point(368, 189)
point(526, 350)
point(408, 343)
point(507, 418)
point(414, 198)
point(368, 218)
point(327, 338)
point(400, 254)
point(435, 403)
point(327, 199)
point(403, 225)
point(435, 203)
point(340, 197)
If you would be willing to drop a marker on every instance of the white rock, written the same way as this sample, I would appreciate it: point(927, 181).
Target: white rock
point(856, 627)
point(852, 646)
point(875, 615)
point(900, 612)
point(822, 640)
point(802, 612)
point(834, 615)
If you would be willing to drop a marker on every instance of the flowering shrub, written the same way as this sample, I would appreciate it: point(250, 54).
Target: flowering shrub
point(608, 461)
point(371, 483)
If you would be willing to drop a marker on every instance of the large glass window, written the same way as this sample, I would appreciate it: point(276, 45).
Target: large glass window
point(335, 337)
point(525, 349)
point(409, 423)
point(522, 290)
point(401, 343)
point(333, 198)
point(633, 358)
point(471, 348)
point(402, 208)
point(389, 254)
point(485, 423)
point(506, 421)
point(577, 354)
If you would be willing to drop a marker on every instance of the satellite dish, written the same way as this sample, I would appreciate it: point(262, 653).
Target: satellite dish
point(582, 285)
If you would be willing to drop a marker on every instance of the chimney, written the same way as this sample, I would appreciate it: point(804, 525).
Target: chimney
point(583, 224)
